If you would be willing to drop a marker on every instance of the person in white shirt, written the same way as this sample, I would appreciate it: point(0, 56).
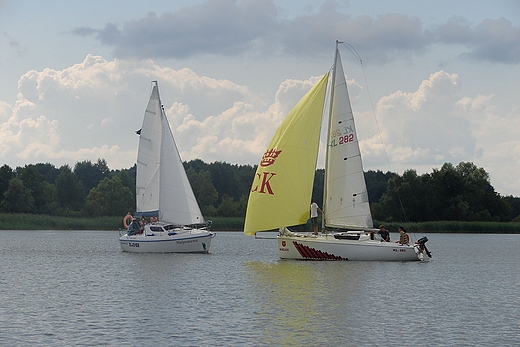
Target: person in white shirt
point(314, 217)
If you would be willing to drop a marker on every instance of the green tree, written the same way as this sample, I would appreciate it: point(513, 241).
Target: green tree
point(17, 198)
point(35, 182)
point(480, 196)
point(463, 192)
point(514, 205)
point(126, 180)
point(203, 188)
point(232, 180)
point(390, 208)
point(6, 174)
point(91, 174)
point(242, 205)
point(49, 171)
point(377, 182)
point(229, 207)
point(447, 191)
point(109, 198)
point(51, 206)
point(69, 190)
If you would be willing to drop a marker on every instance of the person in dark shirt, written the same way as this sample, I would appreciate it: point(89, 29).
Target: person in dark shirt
point(133, 228)
point(385, 235)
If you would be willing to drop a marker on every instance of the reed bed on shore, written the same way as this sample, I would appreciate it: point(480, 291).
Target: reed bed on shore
point(15, 221)
point(457, 227)
point(23, 221)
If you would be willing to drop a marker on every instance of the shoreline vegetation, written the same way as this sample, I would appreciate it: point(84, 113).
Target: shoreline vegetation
point(22, 221)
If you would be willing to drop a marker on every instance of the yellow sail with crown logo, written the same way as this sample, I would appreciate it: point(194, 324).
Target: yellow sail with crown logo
point(282, 187)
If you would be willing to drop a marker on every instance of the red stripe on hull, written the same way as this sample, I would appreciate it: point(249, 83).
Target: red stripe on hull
point(310, 253)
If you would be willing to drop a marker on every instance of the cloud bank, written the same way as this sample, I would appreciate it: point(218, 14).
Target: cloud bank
point(91, 110)
point(229, 27)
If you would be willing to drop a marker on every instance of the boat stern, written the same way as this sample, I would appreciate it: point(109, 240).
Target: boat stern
point(328, 247)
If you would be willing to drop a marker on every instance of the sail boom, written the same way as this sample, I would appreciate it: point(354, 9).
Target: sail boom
point(350, 227)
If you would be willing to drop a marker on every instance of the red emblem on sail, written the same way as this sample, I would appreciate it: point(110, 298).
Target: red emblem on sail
point(269, 157)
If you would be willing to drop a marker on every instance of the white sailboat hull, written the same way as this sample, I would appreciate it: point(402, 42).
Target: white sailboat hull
point(163, 192)
point(327, 247)
point(183, 241)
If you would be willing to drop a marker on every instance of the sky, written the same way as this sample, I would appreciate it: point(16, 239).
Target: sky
point(434, 82)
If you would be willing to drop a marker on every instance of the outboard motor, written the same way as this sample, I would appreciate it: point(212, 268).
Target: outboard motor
point(422, 245)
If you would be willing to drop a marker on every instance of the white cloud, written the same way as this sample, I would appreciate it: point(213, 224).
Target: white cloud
point(92, 109)
point(497, 133)
point(423, 129)
point(425, 126)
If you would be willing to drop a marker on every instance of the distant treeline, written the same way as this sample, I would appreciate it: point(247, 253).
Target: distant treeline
point(452, 193)
point(26, 221)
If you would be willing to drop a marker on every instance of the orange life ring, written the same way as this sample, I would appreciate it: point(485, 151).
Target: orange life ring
point(128, 216)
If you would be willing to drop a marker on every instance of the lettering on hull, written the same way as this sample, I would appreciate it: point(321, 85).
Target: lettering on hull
point(182, 242)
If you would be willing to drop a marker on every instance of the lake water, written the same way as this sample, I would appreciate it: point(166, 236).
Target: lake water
point(76, 288)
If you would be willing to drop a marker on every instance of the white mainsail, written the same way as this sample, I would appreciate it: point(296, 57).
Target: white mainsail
point(162, 186)
point(345, 193)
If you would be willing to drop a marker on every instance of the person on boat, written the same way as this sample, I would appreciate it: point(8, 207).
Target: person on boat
point(314, 217)
point(385, 235)
point(133, 228)
point(404, 238)
point(142, 223)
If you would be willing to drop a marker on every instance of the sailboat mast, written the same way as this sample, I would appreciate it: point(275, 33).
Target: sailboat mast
point(327, 147)
point(155, 85)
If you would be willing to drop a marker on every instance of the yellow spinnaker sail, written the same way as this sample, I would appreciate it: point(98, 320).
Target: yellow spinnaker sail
point(281, 191)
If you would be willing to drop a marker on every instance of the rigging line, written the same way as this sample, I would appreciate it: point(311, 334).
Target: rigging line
point(355, 53)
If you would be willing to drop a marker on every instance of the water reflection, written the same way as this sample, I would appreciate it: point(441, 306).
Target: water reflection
point(288, 300)
point(299, 300)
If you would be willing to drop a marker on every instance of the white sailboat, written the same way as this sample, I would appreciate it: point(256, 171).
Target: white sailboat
point(163, 192)
point(281, 192)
